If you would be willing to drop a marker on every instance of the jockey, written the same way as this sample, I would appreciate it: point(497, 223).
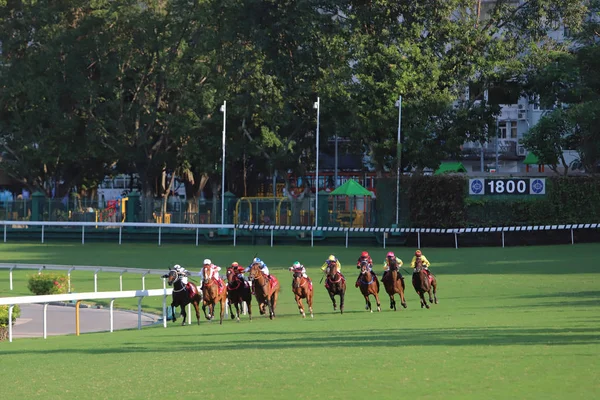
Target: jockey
point(364, 256)
point(261, 264)
point(183, 277)
point(214, 272)
point(239, 270)
point(331, 260)
point(390, 259)
point(424, 261)
point(297, 267)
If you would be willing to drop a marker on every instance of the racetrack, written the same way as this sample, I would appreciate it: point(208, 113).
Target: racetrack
point(513, 323)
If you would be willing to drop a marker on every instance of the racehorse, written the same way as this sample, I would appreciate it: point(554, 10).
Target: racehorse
point(368, 286)
point(238, 293)
point(303, 289)
point(266, 290)
point(424, 283)
point(181, 297)
point(213, 293)
point(335, 285)
point(394, 285)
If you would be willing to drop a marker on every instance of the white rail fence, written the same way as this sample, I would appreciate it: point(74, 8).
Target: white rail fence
point(315, 232)
point(45, 300)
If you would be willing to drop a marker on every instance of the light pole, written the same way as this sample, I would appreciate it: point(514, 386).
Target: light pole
point(224, 111)
point(317, 106)
point(398, 157)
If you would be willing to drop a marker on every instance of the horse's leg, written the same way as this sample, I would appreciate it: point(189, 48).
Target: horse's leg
point(173, 311)
point(249, 305)
point(223, 305)
point(183, 314)
point(204, 304)
point(309, 300)
point(274, 298)
point(300, 306)
point(332, 296)
point(401, 293)
point(367, 303)
point(197, 308)
point(342, 295)
point(376, 294)
point(392, 302)
point(434, 287)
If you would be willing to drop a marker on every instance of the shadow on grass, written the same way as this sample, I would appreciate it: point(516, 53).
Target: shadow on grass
point(491, 336)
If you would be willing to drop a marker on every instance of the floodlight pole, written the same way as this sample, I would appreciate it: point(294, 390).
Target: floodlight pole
point(398, 157)
point(224, 111)
point(317, 106)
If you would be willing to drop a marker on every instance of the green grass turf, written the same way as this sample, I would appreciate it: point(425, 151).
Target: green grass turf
point(513, 323)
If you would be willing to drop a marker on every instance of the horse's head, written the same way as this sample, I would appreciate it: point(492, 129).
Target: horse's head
point(206, 273)
point(364, 267)
point(392, 263)
point(331, 270)
point(418, 265)
point(172, 277)
point(231, 274)
point(297, 277)
point(255, 271)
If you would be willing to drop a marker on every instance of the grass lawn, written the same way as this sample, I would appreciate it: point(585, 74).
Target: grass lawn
point(513, 323)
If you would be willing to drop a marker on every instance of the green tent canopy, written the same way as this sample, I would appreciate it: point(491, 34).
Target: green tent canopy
point(351, 188)
point(450, 167)
point(531, 159)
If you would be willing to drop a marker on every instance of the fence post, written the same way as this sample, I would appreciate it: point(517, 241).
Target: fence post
point(45, 320)
point(10, 325)
point(4, 233)
point(234, 236)
point(69, 278)
point(43, 234)
point(502, 239)
point(419, 239)
point(572, 238)
point(120, 233)
point(384, 235)
point(165, 302)
point(197, 233)
point(271, 237)
point(312, 238)
point(10, 277)
point(347, 237)
point(159, 235)
point(112, 302)
point(140, 312)
point(455, 240)
point(121, 280)
point(82, 234)
point(144, 279)
point(96, 280)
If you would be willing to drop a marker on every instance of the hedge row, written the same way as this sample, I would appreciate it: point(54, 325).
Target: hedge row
point(444, 202)
point(4, 320)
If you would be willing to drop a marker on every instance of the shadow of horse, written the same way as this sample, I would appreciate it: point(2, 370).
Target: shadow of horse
point(213, 293)
point(238, 293)
point(336, 286)
point(368, 286)
point(181, 296)
point(393, 284)
point(265, 290)
point(302, 289)
point(424, 283)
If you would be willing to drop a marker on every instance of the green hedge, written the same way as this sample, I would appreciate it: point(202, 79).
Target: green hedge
point(444, 202)
point(4, 320)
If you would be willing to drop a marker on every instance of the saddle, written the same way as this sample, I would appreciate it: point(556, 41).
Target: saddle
point(191, 289)
point(272, 280)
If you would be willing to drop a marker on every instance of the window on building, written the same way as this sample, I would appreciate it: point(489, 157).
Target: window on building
point(502, 129)
point(507, 129)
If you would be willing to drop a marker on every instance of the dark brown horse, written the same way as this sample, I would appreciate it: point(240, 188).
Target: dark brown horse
point(368, 286)
point(238, 293)
point(394, 284)
point(423, 283)
point(214, 291)
point(266, 290)
point(335, 285)
point(303, 289)
point(182, 297)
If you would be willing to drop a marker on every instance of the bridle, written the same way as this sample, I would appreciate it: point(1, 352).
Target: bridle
point(176, 279)
point(233, 280)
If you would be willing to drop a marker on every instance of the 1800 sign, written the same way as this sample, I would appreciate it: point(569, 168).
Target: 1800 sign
point(522, 186)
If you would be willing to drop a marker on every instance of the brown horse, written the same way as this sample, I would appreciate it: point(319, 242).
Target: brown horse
point(214, 291)
point(303, 289)
point(368, 286)
point(182, 297)
point(423, 283)
point(393, 284)
point(335, 285)
point(238, 293)
point(266, 290)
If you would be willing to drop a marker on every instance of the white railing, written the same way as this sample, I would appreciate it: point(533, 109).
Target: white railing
point(70, 268)
point(315, 231)
point(45, 300)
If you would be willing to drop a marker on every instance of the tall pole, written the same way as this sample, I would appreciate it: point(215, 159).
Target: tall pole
point(335, 178)
point(224, 111)
point(398, 158)
point(317, 105)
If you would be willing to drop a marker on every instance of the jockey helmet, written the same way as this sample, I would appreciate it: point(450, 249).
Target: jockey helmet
point(256, 260)
point(331, 258)
point(177, 267)
point(297, 264)
point(391, 255)
point(207, 261)
point(364, 254)
point(235, 264)
point(418, 253)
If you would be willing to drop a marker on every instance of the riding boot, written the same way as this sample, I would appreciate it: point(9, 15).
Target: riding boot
point(376, 281)
point(357, 281)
